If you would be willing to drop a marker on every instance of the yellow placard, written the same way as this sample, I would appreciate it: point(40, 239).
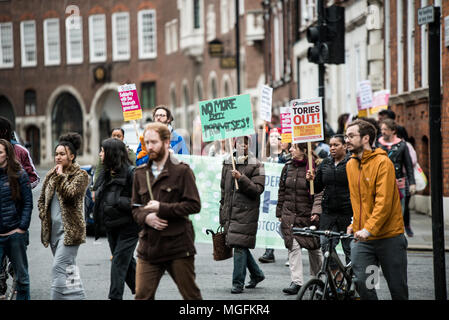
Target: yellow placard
point(132, 115)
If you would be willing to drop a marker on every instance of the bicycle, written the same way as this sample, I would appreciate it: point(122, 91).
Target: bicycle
point(8, 283)
point(325, 285)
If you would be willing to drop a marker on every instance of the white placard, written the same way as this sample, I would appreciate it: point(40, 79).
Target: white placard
point(364, 95)
point(266, 96)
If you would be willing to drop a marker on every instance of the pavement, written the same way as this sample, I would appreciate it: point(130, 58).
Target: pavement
point(422, 240)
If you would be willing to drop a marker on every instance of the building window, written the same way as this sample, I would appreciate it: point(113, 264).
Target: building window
point(148, 99)
point(196, 14)
point(224, 16)
point(120, 36)
point(411, 45)
point(30, 102)
point(199, 91)
point(74, 39)
point(171, 36)
point(6, 46)
point(308, 12)
point(52, 49)
point(147, 34)
point(97, 38)
point(210, 23)
point(28, 42)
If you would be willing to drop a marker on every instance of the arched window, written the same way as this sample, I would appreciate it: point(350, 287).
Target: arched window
point(30, 102)
point(7, 111)
point(213, 88)
point(66, 116)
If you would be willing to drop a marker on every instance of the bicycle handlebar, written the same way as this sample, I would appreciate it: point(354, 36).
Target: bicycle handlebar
point(307, 231)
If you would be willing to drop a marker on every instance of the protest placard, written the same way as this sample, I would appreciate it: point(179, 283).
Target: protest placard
point(129, 100)
point(225, 118)
point(364, 98)
point(266, 96)
point(286, 124)
point(307, 120)
point(380, 101)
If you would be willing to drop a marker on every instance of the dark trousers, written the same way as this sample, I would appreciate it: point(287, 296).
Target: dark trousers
point(391, 255)
point(122, 242)
point(15, 247)
point(243, 259)
point(336, 223)
point(181, 270)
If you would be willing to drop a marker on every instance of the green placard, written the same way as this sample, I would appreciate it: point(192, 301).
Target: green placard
point(226, 117)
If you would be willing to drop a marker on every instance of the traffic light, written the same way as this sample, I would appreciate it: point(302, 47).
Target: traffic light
point(335, 22)
point(328, 38)
point(319, 52)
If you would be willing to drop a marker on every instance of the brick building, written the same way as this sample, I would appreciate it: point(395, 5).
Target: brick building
point(61, 64)
point(406, 75)
point(293, 76)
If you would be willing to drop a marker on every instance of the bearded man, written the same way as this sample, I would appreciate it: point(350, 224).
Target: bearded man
point(166, 242)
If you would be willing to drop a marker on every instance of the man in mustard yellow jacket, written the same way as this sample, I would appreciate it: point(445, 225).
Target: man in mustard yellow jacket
point(378, 226)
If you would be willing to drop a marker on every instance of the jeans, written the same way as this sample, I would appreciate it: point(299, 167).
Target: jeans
point(122, 242)
point(244, 259)
point(391, 255)
point(15, 247)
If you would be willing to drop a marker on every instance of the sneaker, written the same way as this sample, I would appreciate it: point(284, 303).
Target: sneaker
point(287, 263)
point(236, 290)
point(293, 289)
point(253, 282)
point(409, 232)
point(268, 256)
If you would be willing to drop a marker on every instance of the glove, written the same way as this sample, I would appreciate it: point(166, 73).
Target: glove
point(412, 189)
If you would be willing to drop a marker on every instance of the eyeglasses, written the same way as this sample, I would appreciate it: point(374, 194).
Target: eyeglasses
point(351, 136)
point(160, 116)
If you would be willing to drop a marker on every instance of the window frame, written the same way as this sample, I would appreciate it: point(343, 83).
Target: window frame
point(92, 48)
point(68, 37)
point(142, 54)
point(115, 55)
point(11, 64)
point(25, 61)
point(47, 60)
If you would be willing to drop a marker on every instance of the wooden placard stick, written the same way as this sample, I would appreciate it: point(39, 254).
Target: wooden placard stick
point(309, 152)
point(262, 153)
point(233, 162)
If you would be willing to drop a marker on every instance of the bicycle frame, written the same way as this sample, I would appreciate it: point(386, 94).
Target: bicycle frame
point(330, 278)
point(325, 275)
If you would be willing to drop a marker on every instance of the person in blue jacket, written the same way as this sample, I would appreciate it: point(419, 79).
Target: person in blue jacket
point(16, 205)
point(177, 143)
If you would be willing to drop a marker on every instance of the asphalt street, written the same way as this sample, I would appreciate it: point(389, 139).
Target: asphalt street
point(213, 278)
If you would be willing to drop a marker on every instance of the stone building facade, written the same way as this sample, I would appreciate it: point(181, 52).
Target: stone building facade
point(60, 64)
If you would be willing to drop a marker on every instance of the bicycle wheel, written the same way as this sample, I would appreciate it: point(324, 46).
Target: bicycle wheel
point(312, 290)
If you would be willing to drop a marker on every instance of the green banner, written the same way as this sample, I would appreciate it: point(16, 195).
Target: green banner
point(207, 172)
point(226, 117)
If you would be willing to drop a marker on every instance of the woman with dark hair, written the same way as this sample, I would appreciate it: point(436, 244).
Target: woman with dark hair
point(113, 210)
point(16, 205)
point(295, 208)
point(336, 203)
point(61, 209)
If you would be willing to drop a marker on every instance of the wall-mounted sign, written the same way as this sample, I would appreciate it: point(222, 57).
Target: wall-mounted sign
point(426, 15)
point(216, 48)
point(228, 62)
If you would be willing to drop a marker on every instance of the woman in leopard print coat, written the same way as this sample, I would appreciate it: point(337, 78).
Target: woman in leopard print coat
point(61, 211)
